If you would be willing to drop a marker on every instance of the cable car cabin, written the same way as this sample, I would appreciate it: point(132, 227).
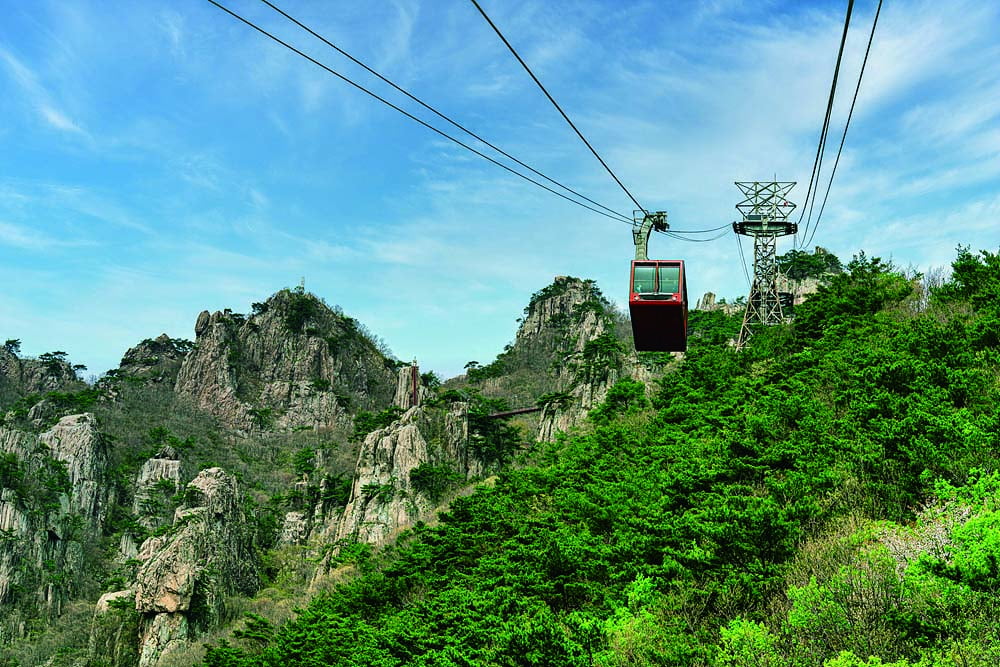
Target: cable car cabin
point(658, 305)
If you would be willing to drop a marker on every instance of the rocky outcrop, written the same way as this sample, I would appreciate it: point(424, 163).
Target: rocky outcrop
point(799, 289)
point(404, 469)
point(159, 476)
point(708, 302)
point(76, 442)
point(153, 361)
point(410, 392)
point(23, 376)
point(186, 574)
point(562, 415)
point(54, 502)
point(567, 354)
point(559, 321)
point(293, 363)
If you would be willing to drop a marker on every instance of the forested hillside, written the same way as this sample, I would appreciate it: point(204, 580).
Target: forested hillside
point(827, 497)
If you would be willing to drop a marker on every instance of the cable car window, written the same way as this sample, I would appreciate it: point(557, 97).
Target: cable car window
point(670, 279)
point(643, 279)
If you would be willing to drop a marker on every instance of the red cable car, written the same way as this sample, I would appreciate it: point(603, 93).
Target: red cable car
point(658, 305)
point(657, 300)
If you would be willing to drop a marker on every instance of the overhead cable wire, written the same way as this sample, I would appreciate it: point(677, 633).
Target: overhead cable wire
point(690, 240)
point(556, 105)
point(818, 161)
point(435, 111)
point(743, 260)
point(847, 124)
point(700, 231)
point(408, 114)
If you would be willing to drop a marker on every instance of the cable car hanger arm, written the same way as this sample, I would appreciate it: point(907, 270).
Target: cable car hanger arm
point(641, 230)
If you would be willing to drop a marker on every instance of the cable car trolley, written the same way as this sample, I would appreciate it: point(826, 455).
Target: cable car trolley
point(657, 303)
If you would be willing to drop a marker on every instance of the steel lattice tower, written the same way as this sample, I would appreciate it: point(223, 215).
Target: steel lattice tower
point(765, 212)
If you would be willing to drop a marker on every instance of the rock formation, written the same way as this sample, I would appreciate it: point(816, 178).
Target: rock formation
point(24, 376)
point(708, 302)
point(154, 360)
point(293, 363)
point(567, 353)
point(558, 323)
point(186, 574)
point(409, 390)
point(54, 501)
point(160, 475)
point(400, 470)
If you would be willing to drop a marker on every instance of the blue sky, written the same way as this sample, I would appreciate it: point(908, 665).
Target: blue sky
point(158, 159)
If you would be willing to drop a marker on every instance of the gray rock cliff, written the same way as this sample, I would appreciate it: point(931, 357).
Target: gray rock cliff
point(568, 351)
point(24, 376)
point(154, 360)
point(53, 506)
point(186, 574)
point(293, 363)
point(388, 493)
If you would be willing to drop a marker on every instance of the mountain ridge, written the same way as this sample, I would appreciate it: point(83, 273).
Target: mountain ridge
point(290, 382)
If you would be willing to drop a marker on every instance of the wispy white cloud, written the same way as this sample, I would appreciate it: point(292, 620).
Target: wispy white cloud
point(37, 96)
point(172, 24)
point(395, 49)
point(246, 168)
point(58, 119)
point(24, 238)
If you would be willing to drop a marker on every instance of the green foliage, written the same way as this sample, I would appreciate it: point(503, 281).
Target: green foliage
point(53, 362)
point(430, 380)
point(365, 422)
point(868, 286)
point(556, 399)
point(625, 396)
point(11, 474)
point(51, 483)
point(710, 328)
point(304, 461)
point(337, 490)
point(744, 643)
point(299, 309)
point(59, 404)
point(560, 286)
point(12, 346)
point(601, 355)
point(800, 264)
point(492, 440)
point(256, 630)
point(382, 492)
point(74, 402)
point(496, 368)
point(320, 384)
point(434, 480)
point(263, 418)
point(173, 346)
point(684, 532)
point(974, 278)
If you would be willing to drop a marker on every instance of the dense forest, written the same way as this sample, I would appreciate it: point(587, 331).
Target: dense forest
point(828, 497)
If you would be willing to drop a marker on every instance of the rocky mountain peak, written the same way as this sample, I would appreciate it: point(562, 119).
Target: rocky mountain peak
point(293, 362)
point(20, 376)
point(560, 320)
point(565, 299)
point(154, 359)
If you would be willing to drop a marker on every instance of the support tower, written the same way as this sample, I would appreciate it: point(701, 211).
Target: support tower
point(765, 210)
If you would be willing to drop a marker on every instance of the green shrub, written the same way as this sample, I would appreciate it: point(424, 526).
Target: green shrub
point(434, 480)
